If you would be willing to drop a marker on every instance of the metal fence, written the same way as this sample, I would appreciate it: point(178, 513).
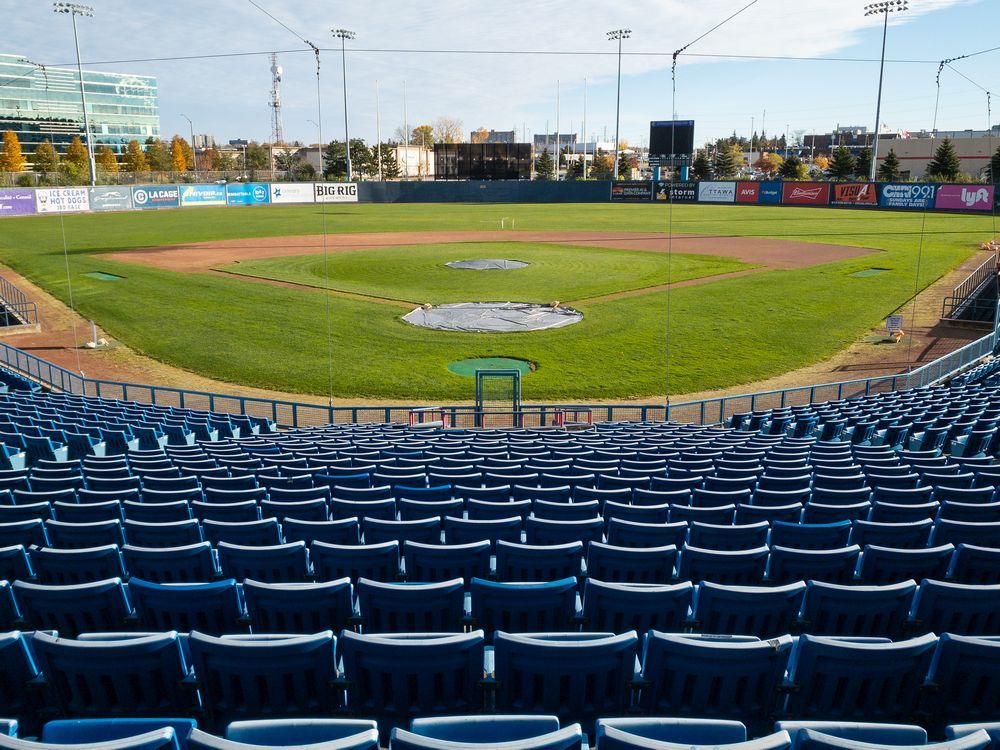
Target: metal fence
point(15, 307)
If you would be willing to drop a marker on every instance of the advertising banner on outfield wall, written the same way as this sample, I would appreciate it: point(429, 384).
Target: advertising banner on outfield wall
point(156, 196)
point(632, 191)
point(716, 192)
point(676, 192)
point(906, 195)
point(248, 193)
point(61, 200)
point(292, 192)
point(203, 195)
point(336, 192)
point(965, 197)
point(113, 198)
point(17, 201)
point(854, 194)
point(747, 192)
point(769, 192)
point(806, 193)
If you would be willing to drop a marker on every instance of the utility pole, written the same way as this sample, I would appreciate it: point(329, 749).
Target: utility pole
point(74, 10)
point(378, 134)
point(344, 35)
point(618, 35)
point(883, 8)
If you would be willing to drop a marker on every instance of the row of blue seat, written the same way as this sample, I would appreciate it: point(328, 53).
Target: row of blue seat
point(225, 607)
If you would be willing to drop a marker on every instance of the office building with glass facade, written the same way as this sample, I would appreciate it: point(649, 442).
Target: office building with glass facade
point(40, 104)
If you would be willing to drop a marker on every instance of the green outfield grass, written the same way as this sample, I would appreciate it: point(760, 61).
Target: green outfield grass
point(723, 333)
point(418, 274)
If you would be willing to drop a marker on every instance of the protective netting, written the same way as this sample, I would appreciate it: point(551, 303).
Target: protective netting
point(487, 264)
point(493, 317)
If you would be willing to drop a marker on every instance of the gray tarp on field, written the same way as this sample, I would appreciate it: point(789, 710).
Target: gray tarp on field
point(493, 317)
point(487, 264)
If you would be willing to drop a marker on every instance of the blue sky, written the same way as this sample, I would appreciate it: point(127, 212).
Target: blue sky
point(228, 97)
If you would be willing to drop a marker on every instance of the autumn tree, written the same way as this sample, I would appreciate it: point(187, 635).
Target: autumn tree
point(76, 162)
point(106, 161)
point(842, 166)
point(11, 158)
point(724, 165)
point(447, 130)
point(701, 169)
point(134, 158)
point(821, 162)
point(545, 168)
point(793, 168)
point(889, 170)
point(480, 135)
point(46, 159)
point(945, 166)
point(178, 157)
point(602, 166)
point(157, 155)
point(222, 161)
point(769, 163)
point(423, 136)
point(624, 166)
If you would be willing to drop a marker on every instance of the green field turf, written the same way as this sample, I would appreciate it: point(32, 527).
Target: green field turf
point(723, 333)
point(418, 274)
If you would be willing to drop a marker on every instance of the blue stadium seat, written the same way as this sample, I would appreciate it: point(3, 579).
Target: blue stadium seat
point(884, 734)
point(964, 680)
point(575, 676)
point(622, 533)
point(188, 564)
point(395, 678)
point(167, 534)
point(898, 513)
point(913, 535)
point(636, 513)
point(839, 680)
point(341, 531)
point(74, 609)
point(25, 533)
point(15, 564)
point(415, 510)
point(299, 607)
point(484, 732)
point(881, 565)
point(540, 531)
point(739, 567)
point(253, 677)
point(9, 615)
point(754, 513)
point(830, 565)
point(760, 611)
point(323, 734)
point(565, 511)
point(972, 564)
point(713, 678)
point(159, 739)
point(613, 737)
point(304, 510)
point(722, 514)
point(332, 562)
point(962, 609)
point(467, 530)
point(740, 537)
point(607, 562)
point(965, 532)
point(811, 739)
point(675, 731)
point(110, 510)
point(279, 563)
point(857, 611)
point(68, 566)
point(621, 607)
point(215, 608)
point(426, 531)
point(67, 731)
point(441, 562)
point(411, 607)
point(810, 536)
point(17, 672)
point(261, 533)
point(524, 607)
point(819, 514)
point(362, 509)
point(526, 562)
point(84, 535)
point(992, 728)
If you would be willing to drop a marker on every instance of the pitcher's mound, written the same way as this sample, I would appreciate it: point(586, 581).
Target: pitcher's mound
point(493, 317)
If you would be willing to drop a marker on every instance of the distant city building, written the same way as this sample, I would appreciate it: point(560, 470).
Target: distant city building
point(204, 141)
point(542, 141)
point(40, 104)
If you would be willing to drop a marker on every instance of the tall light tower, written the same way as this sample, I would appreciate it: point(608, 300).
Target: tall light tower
point(74, 10)
point(344, 35)
point(874, 9)
point(618, 35)
point(275, 103)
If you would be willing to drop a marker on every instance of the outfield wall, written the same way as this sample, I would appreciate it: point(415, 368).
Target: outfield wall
point(913, 196)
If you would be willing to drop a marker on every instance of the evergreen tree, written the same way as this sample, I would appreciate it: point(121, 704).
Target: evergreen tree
point(46, 158)
point(106, 161)
point(575, 171)
point(724, 165)
point(994, 168)
point(863, 165)
point(390, 164)
point(889, 170)
point(134, 158)
point(793, 168)
point(701, 169)
point(544, 167)
point(11, 158)
point(842, 165)
point(945, 166)
point(624, 166)
point(602, 166)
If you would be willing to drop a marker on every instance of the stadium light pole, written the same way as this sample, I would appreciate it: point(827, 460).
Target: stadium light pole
point(74, 10)
point(194, 150)
point(344, 35)
point(884, 9)
point(617, 36)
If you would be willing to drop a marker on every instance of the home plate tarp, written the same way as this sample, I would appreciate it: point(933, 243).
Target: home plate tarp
point(493, 317)
point(487, 264)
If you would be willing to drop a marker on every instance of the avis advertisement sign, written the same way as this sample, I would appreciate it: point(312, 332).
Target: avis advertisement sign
point(965, 197)
point(17, 201)
point(62, 200)
point(156, 196)
point(747, 192)
point(203, 195)
point(336, 192)
point(769, 192)
point(632, 191)
point(676, 192)
point(716, 192)
point(292, 192)
point(906, 195)
point(854, 194)
point(247, 194)
point(806, 193)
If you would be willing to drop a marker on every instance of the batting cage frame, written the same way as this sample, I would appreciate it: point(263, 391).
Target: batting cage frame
point(498, 398)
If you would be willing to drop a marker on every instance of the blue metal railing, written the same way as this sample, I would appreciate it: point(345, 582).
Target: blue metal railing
point(16, 303)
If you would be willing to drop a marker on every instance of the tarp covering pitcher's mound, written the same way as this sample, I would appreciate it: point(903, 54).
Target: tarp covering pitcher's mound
point(487, 264)
point(493, 317)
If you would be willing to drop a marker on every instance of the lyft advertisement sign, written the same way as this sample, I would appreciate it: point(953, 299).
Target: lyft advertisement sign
point(17, 201)
point(965, 197)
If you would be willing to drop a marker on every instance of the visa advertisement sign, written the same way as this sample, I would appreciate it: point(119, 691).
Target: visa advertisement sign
point(248, 194)
point(806, 193)
point(965, 197)
point(769, 192)
point(156, 196)
point(916, 195)
point(17, 201)
point(854, 194)
point(203, 195)
point(716, 192)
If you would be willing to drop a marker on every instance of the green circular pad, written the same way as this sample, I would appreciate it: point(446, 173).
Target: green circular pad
point(467, 367)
